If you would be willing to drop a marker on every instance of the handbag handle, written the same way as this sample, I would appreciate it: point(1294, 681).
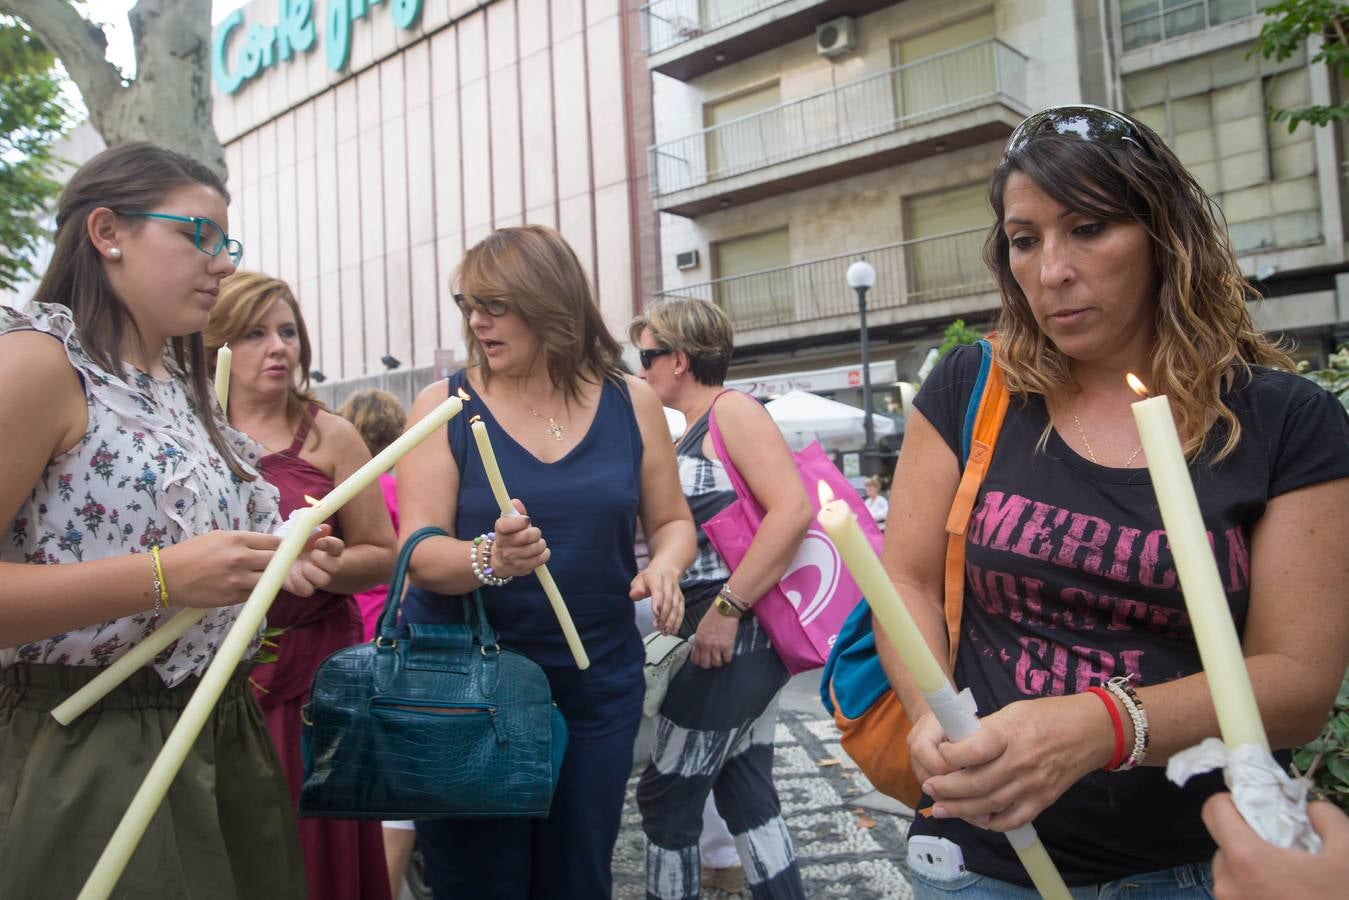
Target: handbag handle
point(387, 629)
point(737, 480)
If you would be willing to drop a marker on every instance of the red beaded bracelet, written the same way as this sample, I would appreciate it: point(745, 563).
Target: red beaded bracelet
point(1109, 702)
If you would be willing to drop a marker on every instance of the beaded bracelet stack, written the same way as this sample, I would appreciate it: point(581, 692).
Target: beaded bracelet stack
point(480, 560)
point(1122, 689)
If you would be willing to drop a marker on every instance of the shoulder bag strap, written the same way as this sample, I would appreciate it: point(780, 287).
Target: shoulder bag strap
point(983, 421)
point(387, 629)
point(737, 481)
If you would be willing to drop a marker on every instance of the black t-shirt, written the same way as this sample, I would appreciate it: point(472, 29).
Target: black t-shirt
point(1069, 581)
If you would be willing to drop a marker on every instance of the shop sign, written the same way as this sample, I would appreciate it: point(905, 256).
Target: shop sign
point(295, 31)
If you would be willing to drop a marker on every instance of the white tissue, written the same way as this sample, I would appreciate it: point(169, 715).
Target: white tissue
point(1271, 801)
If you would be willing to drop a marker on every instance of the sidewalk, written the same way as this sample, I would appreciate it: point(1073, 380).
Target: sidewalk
point(849, 839)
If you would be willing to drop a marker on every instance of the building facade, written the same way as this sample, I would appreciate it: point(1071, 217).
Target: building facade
point(794, 136)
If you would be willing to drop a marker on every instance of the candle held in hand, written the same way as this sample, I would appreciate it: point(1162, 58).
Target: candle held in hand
point(1214, 630)
point(224, 359)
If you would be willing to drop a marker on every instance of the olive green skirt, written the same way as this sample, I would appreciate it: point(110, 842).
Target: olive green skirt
point(226, 828)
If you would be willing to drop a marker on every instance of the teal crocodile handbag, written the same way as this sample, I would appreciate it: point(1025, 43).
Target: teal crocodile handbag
point(430, 721)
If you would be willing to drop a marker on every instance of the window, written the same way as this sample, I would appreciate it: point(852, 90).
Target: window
point(1145, 22)
point(944, 238)
point(1211, 111)
point(753, 284)
point(938, 86)
point(736, 143)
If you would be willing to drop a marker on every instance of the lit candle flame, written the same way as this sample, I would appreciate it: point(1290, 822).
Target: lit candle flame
point(826, 495)
point(475, 419)
point(463, 395)
point(312, 501)
point(1136, 384)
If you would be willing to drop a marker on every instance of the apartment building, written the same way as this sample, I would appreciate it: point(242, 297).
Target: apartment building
point(793, 137)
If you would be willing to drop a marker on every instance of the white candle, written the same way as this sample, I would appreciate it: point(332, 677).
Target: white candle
point(956, 719)
point(550, 589)
point(1214, 630)
point(165, 767)
point(224, 358)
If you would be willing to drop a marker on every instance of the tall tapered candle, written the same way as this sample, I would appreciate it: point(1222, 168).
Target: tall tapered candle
point(170, 759)
point(224, 359)
point(1214, 630)
point(550, 589)
point(956, 718)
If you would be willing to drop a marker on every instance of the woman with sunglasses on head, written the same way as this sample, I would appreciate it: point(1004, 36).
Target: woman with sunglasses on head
point(126, 499)
point(714, 732)
point(586, 451)
point(306, 451)
point(1075, 640)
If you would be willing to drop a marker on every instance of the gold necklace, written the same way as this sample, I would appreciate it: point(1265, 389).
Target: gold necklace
point(1091, 454)
point(554, 428)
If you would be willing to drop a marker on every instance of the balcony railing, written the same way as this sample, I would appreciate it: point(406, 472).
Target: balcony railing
point(1145, 22)
point(907, 95)
point(668, 23)
point(908, 273)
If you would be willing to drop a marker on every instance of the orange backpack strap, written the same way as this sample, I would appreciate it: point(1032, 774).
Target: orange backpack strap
point(986, 424)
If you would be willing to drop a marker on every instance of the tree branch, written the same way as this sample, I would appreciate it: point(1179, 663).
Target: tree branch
point(79, 43)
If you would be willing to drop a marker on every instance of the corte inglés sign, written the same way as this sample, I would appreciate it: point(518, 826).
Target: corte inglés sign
point(295, 31)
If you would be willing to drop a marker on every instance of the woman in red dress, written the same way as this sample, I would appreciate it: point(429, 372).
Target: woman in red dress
point(308, 450)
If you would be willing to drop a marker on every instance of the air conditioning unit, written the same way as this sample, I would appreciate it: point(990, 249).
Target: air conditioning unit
point(686, 260)
point(836, 37)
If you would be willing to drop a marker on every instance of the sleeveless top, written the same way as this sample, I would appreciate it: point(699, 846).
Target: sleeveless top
point(708, 491)
point(144, 474)
point(316, 625)
point(586, 506)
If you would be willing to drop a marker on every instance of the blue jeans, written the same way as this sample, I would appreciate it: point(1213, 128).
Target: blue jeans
point(1192, 881)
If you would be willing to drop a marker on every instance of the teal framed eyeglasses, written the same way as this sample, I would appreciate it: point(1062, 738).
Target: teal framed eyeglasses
point(209, 237)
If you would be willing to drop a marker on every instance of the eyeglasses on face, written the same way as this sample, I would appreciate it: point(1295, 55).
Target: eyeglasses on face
point(209, 237)
point(492, 306)
point(1095, 124)
point(649, 355)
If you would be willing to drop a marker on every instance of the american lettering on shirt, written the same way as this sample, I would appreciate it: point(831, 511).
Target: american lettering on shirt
point(1059, 656)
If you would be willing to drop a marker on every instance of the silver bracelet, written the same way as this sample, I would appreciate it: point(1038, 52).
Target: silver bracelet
point(480, 560)
point(1129, 699)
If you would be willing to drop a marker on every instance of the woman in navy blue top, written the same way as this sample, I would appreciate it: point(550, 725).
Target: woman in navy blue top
point(584, 450)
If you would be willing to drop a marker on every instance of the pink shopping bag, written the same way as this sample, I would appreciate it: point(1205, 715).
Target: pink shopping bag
point(804, 611)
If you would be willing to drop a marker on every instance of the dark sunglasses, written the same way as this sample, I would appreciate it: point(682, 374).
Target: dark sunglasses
point(1090, 123)
point(492, 307)
point(649, 355)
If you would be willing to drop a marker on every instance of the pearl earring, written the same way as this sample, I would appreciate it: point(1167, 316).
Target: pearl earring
point(114, 253)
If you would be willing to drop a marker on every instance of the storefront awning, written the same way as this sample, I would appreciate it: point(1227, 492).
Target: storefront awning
point(835, 379)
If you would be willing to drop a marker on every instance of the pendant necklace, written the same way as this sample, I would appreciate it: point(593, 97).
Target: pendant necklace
point(554, 428)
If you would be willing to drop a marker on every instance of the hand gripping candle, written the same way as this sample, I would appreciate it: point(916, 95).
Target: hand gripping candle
point(503, 499)
point(954, 711)
point(123, 843)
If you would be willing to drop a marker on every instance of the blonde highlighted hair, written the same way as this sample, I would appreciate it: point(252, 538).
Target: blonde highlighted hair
point(700, 330)
point(245, 297)
point(1205, 339)
point(536, 273)
point(377, 415)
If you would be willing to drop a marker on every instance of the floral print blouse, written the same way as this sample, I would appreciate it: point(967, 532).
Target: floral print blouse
point(144, 474)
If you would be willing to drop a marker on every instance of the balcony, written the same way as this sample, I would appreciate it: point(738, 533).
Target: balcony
point(916, 281)
point(688, 38)
point(967, 96)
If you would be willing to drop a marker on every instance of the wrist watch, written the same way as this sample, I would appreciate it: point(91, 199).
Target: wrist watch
point(727, 608)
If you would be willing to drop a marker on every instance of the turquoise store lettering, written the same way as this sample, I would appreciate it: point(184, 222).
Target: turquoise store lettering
point(293, 32)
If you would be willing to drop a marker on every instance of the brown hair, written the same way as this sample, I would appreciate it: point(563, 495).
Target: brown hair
point(245, 297)
point(133, 176)
point(536, 272)
point(700, 330)
point(1204, 335)
point(377, 415)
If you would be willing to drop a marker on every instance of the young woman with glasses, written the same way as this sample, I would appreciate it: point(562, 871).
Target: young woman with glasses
point(714, 732)
point(586, 451)
point(1075, 641)
point(127, 498)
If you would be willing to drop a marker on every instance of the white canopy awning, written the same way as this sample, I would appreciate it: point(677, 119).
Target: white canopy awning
point(804, 417)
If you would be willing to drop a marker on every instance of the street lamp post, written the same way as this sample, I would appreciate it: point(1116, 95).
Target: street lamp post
point(861, 276)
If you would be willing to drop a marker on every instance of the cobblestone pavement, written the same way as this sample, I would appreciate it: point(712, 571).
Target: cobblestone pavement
point(845, 848)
